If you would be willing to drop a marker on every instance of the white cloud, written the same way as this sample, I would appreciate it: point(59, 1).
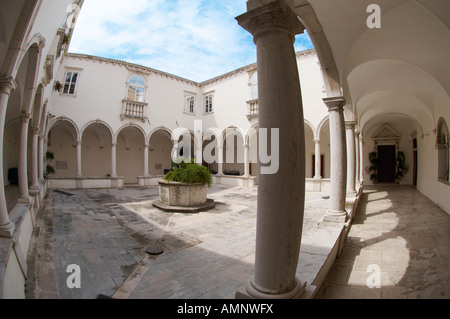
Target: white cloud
point(196, 39)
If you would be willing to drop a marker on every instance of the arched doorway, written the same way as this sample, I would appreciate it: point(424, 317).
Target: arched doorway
point(130, 154)
point(160, 147)
point(96, 151)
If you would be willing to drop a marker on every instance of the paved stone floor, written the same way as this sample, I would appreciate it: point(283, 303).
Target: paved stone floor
point(211, 254)
point(401, 235)
point(106, 233)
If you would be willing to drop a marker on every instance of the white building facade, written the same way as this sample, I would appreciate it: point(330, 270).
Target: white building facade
point(112, 123)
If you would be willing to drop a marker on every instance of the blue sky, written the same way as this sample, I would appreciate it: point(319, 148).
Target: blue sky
point(195, 39)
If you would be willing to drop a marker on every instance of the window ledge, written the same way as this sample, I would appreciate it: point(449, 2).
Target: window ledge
point(443, 181)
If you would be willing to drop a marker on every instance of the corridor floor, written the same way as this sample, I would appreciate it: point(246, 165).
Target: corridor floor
point(398, 247)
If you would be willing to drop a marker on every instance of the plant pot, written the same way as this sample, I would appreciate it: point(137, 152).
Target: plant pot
point(182, 194)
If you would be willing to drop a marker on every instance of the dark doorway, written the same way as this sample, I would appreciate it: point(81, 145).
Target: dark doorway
point(386, 164)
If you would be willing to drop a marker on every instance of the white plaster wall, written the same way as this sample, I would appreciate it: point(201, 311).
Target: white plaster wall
point(427, 181)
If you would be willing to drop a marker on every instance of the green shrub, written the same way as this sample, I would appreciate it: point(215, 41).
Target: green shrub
point(189, 173)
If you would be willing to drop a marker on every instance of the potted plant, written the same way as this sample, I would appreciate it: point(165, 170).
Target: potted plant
point(373, 168)
point(58, 86)
point(49, 170)
point(185, 186)
point(401, 167)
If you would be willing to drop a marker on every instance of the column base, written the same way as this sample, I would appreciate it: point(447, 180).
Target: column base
point(7, 231)
point(335, 217)
point(251, 292)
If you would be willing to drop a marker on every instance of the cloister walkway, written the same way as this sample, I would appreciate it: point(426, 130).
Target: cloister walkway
point(211, 254)
point(401, 235)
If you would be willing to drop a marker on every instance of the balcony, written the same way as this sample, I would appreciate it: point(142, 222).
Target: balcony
point(253, 109)
point(134, 109)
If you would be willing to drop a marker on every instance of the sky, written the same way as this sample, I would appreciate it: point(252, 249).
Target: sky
point(195, 39)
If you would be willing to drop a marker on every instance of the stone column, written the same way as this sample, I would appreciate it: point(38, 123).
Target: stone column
point(114, 160)
point(41, 159)
point(220, 161)
point(361, 159)
point(146, 160)
point(338, 167)
point(246, 160)
point(79, 171)
point(34, 188)
point(358, 157)
point(281, 195)
point(23, 167)
point(318, 162)
point(351, 156)
point(6, 226)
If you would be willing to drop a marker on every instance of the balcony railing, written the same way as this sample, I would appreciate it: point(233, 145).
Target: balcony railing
point(253, 109)
point(133, 109)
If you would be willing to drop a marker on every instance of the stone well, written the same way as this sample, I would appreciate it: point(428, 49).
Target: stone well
point(182, 197)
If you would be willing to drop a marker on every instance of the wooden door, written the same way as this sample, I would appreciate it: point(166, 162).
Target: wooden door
point(386, 164)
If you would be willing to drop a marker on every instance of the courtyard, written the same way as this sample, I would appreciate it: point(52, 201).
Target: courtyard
point(210, 255)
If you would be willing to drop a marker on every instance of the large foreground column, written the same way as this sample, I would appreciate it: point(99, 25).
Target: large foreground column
point(338, 167)
point(6, 226)
point(281, 194)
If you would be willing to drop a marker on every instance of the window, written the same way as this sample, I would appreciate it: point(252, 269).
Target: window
point(136, 89)
point(70, 83)
point(442, 146)
point(254, 86)
point(189, 106)
point(208, 103)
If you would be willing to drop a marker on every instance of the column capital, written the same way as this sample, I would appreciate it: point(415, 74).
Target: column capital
point(35, 130)
point(274, 15)
point(25, 116)
point(7, 84)
point(334, 103)
point(317, 140)
point(350, 125)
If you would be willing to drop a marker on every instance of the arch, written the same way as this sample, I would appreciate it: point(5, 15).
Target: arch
point(59, 120)
point(100, 122)
point(96, 149)
point(365, 127)
point(131, 141)
point(18, 45)
point(311, 126)
point(233, 151)
point(321, 124)
point(367, 80)
point(309, 150)
point(139, 128)
point(62, 139)
point(160, 128)
point(160, 151)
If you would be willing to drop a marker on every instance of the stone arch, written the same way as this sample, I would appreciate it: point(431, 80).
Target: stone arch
point(96, 145)
point(62, 138)
point(131, 140)
point(233, 151)
point(160, 151)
